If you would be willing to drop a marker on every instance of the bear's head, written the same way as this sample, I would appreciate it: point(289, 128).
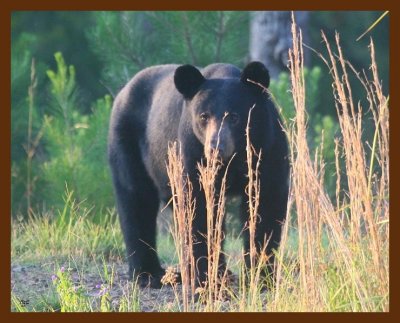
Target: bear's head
point(219, 107)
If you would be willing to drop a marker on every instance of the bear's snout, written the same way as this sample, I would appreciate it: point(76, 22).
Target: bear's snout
point(219, 140)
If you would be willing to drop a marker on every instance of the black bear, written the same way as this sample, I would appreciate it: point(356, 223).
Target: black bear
point(168, 103)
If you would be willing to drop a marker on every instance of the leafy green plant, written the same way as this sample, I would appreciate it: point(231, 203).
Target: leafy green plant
point(76, 143)
point(72, 297)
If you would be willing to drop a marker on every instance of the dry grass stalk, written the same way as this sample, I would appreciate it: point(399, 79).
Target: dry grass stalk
point(214, 188)
point(258, 258)
point(183, 214)
point(306, 183)
point(253, 192)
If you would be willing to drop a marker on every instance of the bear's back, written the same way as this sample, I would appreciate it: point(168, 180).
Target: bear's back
point(220, 71)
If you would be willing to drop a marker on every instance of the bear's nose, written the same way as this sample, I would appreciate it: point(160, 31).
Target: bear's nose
point(220, 151)
point(215, 145)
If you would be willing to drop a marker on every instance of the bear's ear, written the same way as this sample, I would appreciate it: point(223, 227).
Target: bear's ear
point(255, 72)
point(187, 80)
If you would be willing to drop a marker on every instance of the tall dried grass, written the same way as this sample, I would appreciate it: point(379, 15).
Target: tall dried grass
point(342, 258)
point(183, 214)
point(349, 272)
point(215, 205)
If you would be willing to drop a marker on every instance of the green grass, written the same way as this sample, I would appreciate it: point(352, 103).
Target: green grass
point(64, 233)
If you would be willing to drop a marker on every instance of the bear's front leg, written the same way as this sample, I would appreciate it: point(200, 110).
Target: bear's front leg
point(199, 228)
point(200, 233)
point(137, 205)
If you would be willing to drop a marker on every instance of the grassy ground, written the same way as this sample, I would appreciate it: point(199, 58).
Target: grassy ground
point(88, 260)
point(67, 262)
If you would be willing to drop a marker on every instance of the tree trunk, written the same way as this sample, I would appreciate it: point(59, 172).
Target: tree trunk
point(271, 37)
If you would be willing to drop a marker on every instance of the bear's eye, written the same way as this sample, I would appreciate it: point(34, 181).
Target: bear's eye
point(204, 117)
point(234, 118)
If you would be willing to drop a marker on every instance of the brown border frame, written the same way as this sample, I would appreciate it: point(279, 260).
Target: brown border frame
point(7, 6)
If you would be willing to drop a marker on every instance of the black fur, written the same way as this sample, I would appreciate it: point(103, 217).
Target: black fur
point(162, 104)
point(258, 73)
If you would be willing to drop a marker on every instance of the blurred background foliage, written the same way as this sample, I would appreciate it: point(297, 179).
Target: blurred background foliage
point(74, 63)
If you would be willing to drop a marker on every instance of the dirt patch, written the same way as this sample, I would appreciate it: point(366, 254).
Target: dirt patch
point(32, 285)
